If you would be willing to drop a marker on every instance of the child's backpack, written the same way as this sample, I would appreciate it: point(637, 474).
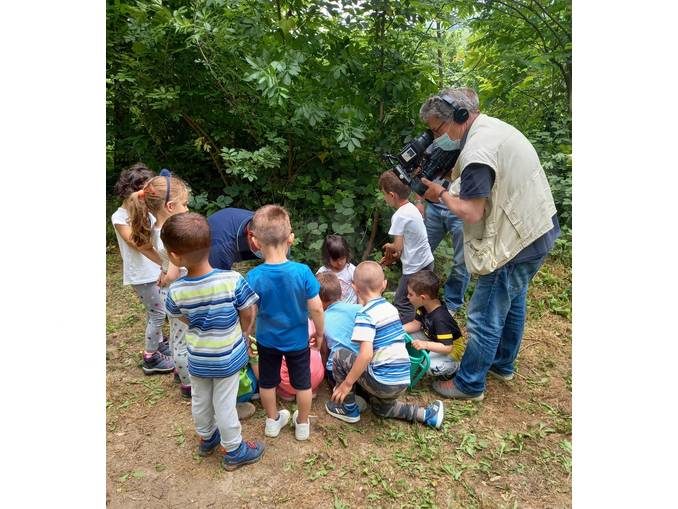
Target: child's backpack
point(419, 362)
point(248, 385)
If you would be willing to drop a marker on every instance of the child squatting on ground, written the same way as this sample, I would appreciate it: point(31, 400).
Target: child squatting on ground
point(410, 242)
point(336, 256)
point(141, 269)
point(382, 364)
point(433, 328)
point(288, 294)
point(163, 196)
point(219, 308)
point(339, 322)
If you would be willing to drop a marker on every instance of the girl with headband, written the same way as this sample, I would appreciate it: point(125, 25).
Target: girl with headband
point(163, 196)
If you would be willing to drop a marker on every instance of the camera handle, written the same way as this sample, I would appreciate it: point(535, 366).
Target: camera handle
point(446, 185)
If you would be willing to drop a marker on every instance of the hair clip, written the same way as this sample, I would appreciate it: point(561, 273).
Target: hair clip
point(165, 173)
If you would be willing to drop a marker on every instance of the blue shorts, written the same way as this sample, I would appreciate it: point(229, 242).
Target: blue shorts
point(298, 366)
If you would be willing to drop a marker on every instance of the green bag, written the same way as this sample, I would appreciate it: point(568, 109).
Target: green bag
point(419, 362)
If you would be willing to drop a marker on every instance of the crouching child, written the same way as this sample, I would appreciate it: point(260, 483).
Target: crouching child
point(382, 364)
point(433, 328)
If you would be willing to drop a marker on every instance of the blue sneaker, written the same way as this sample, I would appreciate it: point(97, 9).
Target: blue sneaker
point(345, 412)
point(434, 414)
point(248, 452)
point(207, 447)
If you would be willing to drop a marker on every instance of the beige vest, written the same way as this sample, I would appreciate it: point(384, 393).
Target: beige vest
point(520, 206)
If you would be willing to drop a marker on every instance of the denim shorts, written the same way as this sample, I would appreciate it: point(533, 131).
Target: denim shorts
point(298, 366)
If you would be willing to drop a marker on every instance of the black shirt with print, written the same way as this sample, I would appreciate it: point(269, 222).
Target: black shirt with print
point(438, 325)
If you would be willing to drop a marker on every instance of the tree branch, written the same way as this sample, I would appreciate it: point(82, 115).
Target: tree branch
point(214, 152)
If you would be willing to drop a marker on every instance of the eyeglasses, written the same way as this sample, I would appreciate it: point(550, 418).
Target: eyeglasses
point(436, 130)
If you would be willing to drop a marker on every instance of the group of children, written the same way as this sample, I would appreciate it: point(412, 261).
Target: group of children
point(230, 334)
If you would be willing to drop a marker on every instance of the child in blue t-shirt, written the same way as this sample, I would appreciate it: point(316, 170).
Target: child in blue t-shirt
point(288, 294)
point(339, 320)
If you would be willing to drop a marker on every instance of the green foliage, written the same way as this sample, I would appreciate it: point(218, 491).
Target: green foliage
point(293, 102)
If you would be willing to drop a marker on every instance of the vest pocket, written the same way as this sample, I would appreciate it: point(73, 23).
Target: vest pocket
point(522, 228)
point(479, 246)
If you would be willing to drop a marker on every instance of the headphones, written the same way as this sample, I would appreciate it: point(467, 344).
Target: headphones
point(460, 115)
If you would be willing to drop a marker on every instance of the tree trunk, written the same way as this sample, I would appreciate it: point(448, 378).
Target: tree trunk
point(373, 235)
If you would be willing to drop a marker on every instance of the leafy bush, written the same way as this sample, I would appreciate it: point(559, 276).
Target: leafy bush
point(293, 103)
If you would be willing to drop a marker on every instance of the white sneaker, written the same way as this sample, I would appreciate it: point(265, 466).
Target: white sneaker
point(273, 426)
point(301, 431)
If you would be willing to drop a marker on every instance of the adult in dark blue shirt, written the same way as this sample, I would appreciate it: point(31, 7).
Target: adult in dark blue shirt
point(229, 229)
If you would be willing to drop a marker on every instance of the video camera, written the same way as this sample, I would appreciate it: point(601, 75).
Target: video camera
point(421, 158)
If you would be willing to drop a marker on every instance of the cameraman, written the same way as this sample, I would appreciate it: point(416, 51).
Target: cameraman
point(440, 220)
point(510, 225)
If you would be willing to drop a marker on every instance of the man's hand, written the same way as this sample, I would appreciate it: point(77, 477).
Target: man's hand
point(433, 190)
point(341, 391)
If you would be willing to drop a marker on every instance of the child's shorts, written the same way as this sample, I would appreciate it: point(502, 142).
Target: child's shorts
point(298, 366)
point(285, 389)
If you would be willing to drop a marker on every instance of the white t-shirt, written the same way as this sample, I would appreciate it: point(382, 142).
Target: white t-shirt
point(345, 277)
point(136, 268)
point(407, 221)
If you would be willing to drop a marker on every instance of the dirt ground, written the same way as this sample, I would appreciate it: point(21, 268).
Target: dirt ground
point(511, 450)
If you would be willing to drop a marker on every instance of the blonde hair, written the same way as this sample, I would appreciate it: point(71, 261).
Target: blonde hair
point(271, 225)
point(152, 198)
point(368, 277)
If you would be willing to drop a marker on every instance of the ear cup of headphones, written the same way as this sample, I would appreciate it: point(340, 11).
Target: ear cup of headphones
point(460, 115)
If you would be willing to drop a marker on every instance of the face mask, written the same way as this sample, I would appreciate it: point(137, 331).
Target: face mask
point(258, 254)
point(446, 143)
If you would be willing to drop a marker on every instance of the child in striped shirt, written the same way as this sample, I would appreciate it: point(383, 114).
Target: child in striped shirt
point(382, 364)
point(219, 308)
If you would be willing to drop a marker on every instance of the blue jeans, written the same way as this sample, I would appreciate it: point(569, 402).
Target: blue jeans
point(496, 319)
point(439, 221)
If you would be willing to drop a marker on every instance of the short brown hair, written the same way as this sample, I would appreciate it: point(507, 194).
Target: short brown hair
point(425, 282)
point(368, 276)
point(187, 234)
point(330, 287)
point(391, 184)
point(271, 225)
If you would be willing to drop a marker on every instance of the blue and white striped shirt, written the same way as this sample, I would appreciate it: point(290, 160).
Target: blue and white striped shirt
point(216, 348)
point(378, 321)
